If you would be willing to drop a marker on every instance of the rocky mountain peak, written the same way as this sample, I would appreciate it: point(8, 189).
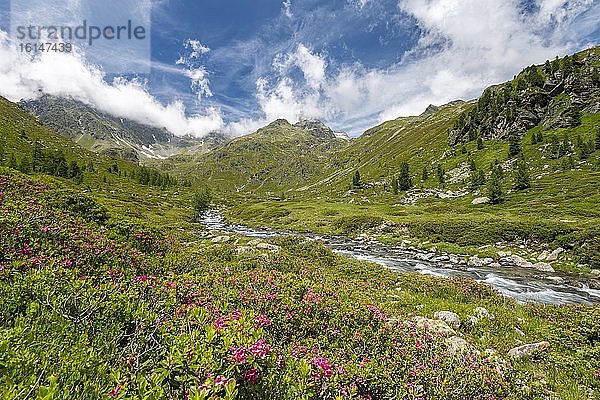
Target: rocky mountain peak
point(316, 128)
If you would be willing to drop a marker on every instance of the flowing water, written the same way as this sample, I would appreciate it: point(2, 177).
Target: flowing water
point(525, 285)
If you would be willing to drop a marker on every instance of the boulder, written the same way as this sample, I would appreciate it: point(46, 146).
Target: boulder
point(243, 250)
point(448, 317)
point(520, 261)
point(543, 256)
point(433, 325)
point(544, 267)
point(268, 246)
point(221, 239)
point(528, 349)
point(481, 200)
point(554, 255)
point(596, 272)
point(254, 242)
point(482, 312)
point(476, 262)
point(456, 345)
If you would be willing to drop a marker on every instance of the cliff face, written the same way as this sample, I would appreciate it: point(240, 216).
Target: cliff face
point(552, 95)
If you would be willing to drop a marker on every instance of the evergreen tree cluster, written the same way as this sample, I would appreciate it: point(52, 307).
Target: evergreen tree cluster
point(44, 161)
point(152, 177)
point(356, 180)
point(537, 138)
point(403, 181)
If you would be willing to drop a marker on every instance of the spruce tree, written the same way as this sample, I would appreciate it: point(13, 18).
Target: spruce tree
point(472, 165)
point(394, 185)
point(12, 162)
point(495, 192)
point(565, 146)
point(521, 178)
point(425, 174)
point(540, 137)
point(201, 202)
point(440, 174)
point(404, 181)
point(477, 179)
point(598, 139)
point(356, 182)
point(554, 146)
point(480, 143)
point(514, 145)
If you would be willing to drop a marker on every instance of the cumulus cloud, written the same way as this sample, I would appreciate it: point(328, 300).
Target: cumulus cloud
point(465, 45)
point(69, 75)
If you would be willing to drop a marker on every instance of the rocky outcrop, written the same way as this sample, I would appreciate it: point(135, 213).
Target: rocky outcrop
point(316, 128)
point(552, 95)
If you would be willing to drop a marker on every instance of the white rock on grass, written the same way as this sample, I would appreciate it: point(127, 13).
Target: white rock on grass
point(544, 267)
point(221, 239)
point(482, 312)
point(244, 250)
point(457, 345)
point(267, 246)
point(528, 349)
point(543, 256)
point(448, 317)
point(481, 200)
point(433, 325)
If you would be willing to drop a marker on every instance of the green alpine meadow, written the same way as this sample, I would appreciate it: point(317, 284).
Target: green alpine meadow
point(147, 253)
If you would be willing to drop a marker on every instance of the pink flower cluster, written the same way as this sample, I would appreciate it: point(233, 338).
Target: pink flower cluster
point(260, 349)
point(323, 368)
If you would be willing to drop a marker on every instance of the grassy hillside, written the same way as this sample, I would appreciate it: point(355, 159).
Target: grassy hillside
point(270, 161)
point(139, 312)
point(119, 185)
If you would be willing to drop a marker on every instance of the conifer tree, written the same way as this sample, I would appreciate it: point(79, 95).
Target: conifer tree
point(356, 182)
point(440, 174)
point(425, 174)
point(477, 179)
point(514, 145)
point(565, 146)
point(394, 185)
point(521, 178)
point(495, 192)
point(472, 165)
point(480, 145)
point(404, 180)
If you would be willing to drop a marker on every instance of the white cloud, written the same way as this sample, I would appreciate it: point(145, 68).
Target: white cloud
point(193, 51)
point(466, 45)
point(287, 9)
point(69, 75)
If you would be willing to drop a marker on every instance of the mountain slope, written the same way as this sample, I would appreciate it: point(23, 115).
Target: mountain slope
point(273, 159)
point(552, 95)
point(104, 133)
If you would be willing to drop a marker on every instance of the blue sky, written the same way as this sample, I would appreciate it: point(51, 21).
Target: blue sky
point(235, 65)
